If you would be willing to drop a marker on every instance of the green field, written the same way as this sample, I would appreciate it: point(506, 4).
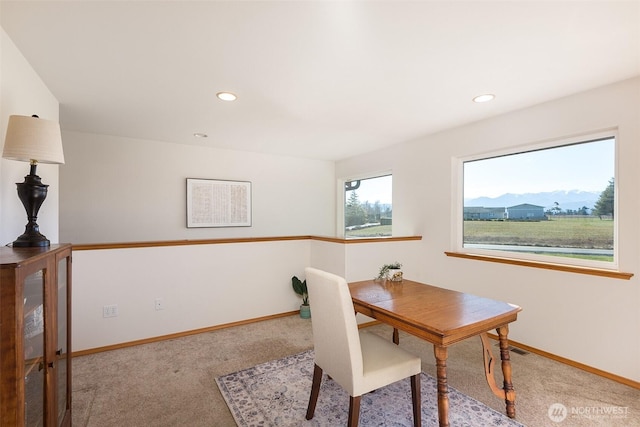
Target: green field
point(378, 231)
point(565, 232)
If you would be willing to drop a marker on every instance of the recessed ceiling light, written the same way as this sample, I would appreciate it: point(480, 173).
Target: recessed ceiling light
point(484, 98)
point(200, 135)
point(226, 96)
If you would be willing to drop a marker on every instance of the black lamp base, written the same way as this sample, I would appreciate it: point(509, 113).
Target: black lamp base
point(32, 193)
point(30, 240)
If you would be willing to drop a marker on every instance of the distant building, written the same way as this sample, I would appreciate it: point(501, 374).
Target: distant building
point(482, 213)
point(526, 211)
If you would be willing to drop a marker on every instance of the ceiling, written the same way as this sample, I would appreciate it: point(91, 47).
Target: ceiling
point(315, 79)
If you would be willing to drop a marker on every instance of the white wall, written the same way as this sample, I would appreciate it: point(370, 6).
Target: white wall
point(362, 261)
point(328, 256)
point(589, 319)
point(200, 286)
point(22, 92)
point(117, 189)
point(122, 190)
point(206, 285)
point(357, 261)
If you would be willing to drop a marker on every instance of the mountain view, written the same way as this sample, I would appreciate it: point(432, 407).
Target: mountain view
point(567, 200)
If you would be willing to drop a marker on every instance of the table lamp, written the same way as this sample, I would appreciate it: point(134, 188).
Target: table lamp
point(34, 140)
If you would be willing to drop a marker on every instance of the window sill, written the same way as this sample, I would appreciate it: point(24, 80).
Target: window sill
point(547, 266)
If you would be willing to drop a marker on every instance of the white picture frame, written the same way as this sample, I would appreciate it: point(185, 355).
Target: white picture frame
point(218, 203)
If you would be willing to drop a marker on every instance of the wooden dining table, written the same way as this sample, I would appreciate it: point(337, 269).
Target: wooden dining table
point(442, 317)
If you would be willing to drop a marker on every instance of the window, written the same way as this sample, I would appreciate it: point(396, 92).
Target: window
point(553, 202)
point(367, 207)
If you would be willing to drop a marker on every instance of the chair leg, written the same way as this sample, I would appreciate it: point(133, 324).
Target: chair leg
point(415, 396)
point(315, 390)
point(354, 411)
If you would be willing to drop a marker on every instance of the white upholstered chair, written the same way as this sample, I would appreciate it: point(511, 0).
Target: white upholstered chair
point(358, 361)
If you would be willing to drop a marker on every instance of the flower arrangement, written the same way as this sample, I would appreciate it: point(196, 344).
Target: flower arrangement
point(386, 272)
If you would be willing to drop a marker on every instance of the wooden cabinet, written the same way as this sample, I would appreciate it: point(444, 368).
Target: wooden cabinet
point(35, 336)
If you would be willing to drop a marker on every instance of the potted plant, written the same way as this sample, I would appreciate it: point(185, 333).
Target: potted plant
point(391, 272)
point(300, 288)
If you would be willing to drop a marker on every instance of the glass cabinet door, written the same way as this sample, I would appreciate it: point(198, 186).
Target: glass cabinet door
point(34, 368)
point(62, 349)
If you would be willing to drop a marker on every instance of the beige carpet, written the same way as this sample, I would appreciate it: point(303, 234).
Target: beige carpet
point(172, 383)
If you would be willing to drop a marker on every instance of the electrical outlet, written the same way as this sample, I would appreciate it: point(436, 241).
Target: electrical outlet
point(110, 310)
point(159, 304)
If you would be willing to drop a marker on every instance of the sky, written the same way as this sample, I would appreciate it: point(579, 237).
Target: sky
point(586, 167)
point(374, 189)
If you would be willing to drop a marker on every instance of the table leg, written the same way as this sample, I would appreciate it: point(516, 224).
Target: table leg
point(443, 388)
point(509, 392)
point(396, 336)
point(489, 363)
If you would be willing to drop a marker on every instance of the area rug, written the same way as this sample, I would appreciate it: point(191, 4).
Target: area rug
point(277, 393)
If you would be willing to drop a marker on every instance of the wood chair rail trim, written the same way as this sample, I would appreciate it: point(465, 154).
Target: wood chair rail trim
point(151, 244)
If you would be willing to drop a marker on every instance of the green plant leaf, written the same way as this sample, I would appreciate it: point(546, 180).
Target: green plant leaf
point(300, 288)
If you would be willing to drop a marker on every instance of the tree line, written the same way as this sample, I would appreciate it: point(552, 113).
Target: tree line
point(604, 205)
point(357, 213)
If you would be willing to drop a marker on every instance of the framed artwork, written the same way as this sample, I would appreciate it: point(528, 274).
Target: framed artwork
point(218, 203)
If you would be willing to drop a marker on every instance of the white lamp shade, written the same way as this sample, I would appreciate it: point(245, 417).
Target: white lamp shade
point(32, 138)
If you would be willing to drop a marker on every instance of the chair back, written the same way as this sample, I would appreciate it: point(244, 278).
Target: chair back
point(336, 339)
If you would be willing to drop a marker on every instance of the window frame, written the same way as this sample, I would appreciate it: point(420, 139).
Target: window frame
point(457, 243)
point(340, 220)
